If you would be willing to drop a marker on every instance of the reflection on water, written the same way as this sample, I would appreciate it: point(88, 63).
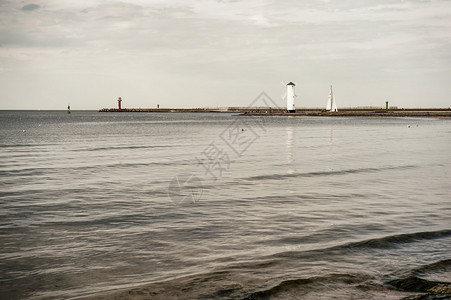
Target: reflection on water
point(290, 150)
point(331, 148)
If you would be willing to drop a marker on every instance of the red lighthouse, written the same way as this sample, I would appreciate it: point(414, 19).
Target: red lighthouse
point(119, 102)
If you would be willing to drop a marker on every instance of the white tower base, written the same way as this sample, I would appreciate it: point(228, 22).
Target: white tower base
point(290, 98)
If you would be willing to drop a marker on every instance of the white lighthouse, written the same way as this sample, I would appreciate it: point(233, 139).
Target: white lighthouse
point(290, 97)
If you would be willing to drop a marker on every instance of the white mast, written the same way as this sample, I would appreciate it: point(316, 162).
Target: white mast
point(290, 97)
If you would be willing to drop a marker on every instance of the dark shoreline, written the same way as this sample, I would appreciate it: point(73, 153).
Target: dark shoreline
point(347, 112)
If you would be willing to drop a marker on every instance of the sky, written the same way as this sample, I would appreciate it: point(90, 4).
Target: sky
point(207, 53)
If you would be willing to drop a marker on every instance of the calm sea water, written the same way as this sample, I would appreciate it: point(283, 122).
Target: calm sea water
point(216, 206)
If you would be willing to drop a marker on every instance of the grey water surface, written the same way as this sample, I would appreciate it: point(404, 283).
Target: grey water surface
point(218, 206)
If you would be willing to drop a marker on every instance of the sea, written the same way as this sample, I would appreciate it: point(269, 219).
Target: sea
point(97, 205)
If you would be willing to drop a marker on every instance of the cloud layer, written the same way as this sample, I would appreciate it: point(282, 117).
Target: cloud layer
point(223, 53)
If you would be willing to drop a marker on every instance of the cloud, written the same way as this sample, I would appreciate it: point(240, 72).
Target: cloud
point(30, 7)
point(246, 45)
point(261, 20)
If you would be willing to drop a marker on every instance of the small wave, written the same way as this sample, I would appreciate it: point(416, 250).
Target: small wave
point(131, 218)
point(24, 145)
point(48, 170)
point(377, 243)
point(389, 241)
point(443, 265)
point(128, 147)
point(351, 286)
point(225, 285)
point(325, 173)
point(300, 284)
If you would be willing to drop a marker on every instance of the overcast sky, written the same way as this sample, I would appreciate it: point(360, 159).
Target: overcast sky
point(207, 53)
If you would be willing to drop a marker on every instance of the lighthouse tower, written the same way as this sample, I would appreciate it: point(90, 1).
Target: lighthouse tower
point(119, 100)
point(290, 97)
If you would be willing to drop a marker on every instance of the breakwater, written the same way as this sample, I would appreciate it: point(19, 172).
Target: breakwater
point(266, 111)
point(182, 110)
point(360, 113)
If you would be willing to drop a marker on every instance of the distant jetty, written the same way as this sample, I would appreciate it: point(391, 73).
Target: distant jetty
point(182, 110)
point(268, 111)
point(359, 112)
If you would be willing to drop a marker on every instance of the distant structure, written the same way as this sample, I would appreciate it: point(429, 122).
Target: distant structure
point(290, 97)
point(331, 104)
point(386, 104)
point(119, 102)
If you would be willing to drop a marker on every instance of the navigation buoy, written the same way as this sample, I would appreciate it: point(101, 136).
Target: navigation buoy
point(68, 109)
